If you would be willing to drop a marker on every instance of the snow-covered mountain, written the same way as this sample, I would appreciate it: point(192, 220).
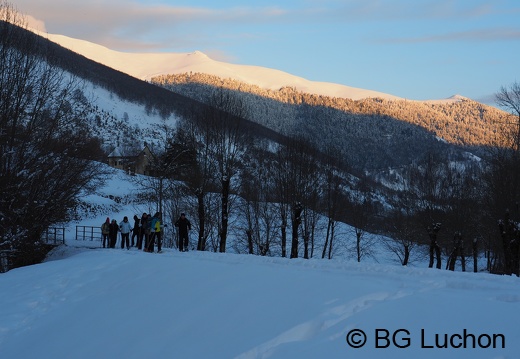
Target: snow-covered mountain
point(147, 65)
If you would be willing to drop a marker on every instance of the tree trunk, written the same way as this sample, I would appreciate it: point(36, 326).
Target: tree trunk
point(249, 234)
point(296, 220)
point(312, 241)
point(451, 260)
point(358, 245)
point(434, 247)
point(201, 245)
point(438, 255)
point(406, 254)
point(264, 248)
point(326, 240)
point(306, 245)
point(430, 265)
point(225, 198)
point(475, 255)
point(457, 242)
point(462, 258)
point(331, 238)
point(284, 233)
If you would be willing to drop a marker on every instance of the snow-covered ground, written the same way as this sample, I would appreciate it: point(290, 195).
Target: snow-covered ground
point(113, 303)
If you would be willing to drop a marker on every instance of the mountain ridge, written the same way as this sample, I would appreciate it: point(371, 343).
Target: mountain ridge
point(148, 65)
point(458, 120)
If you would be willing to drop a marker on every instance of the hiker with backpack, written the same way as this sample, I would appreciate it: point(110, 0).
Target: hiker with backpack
point(155, 234)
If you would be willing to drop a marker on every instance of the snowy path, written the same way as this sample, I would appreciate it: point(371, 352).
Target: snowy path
point(118, 303)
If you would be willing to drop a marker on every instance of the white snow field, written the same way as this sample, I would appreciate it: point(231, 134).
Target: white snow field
point(115, 303)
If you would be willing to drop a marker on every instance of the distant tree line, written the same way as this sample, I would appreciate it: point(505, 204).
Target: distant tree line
point(460, 122)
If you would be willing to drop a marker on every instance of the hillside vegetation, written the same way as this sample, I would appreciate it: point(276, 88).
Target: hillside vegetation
point(458, 121)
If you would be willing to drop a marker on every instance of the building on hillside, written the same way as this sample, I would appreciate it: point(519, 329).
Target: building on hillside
point(133, 162)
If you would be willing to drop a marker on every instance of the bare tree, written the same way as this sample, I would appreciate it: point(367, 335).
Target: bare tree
point(46, 146)
point(229, 142)
point(257, 192)
point(509, 99)
point(510, 233)
point(332, 193)
point(429, 186)
point(334, 200)
point(502, 180)
point(299, 170)
point(199, 174)
point(404, 232)
point(311, 217)
point(282, 193)
point(458, 251)
point(311, 221)
point(360, 216)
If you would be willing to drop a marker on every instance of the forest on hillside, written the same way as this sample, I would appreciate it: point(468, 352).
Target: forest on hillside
point(460, 122)
point(420, 151)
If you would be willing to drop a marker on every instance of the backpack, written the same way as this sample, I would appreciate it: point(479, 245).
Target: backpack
point(154, 222)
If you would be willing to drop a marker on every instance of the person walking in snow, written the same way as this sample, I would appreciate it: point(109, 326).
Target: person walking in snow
point(144, 232)
point(113, 230)
point(136, 230)
point(156, 233)
point(105, 232)
point(125, 227)
point(184, 226)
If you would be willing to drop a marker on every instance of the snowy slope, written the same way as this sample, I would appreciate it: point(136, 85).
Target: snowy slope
point(114, 303)
point(146, 65)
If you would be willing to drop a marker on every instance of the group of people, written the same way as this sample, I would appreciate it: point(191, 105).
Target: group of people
point(146, 232)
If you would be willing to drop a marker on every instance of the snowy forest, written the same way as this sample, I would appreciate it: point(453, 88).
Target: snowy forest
point(265, 172)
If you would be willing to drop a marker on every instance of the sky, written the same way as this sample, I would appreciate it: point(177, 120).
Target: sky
point(419, 50)
point(88, 302)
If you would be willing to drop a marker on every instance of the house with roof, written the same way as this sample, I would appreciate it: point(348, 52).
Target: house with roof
point(134, 162)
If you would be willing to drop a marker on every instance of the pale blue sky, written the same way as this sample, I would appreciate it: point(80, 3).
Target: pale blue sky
point(417, 49)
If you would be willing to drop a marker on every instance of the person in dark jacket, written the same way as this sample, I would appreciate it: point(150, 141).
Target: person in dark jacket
point(135, 230)
point(143, 232)
point(184, 226)
point(105, 232)
point(113, 229)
